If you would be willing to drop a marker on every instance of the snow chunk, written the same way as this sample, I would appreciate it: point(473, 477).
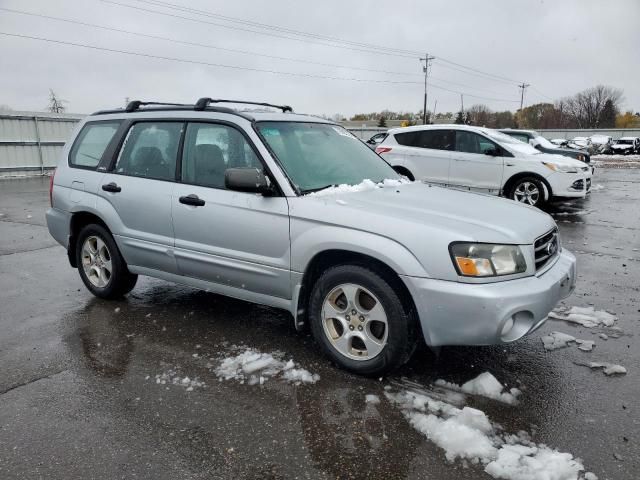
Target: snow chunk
point(586, 316)
point(256, 367)
point(372, 399)
point(556, 340)
point(468, 434)
point(585, 345)
point(360, 187)
point(485, 385)
point(609, 368)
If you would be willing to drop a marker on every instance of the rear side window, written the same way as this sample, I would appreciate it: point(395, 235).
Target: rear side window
point(209, 149)
point(91, 144)
point(150, 150)
point(433, 139)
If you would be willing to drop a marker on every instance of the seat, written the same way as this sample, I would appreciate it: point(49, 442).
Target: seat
point(149, 162)
point(209, 165)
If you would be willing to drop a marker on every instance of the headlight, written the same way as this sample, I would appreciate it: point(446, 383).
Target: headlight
point(560, 168)
point(487, 259)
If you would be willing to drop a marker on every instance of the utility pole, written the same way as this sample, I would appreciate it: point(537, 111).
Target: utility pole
point(427, 65)
point(522, 86)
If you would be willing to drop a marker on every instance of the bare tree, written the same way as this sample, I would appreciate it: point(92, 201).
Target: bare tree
point(479, 115)
point(56, 105)
point(5, 108)
point(587, 106)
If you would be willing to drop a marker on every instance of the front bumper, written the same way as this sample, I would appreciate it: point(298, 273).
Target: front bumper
point(571, 184)
point(454, 313)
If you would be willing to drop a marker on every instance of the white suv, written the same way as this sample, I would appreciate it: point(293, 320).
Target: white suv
point(483, 160)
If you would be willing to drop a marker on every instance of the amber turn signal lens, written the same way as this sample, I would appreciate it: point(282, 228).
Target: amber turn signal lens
point(467, 266)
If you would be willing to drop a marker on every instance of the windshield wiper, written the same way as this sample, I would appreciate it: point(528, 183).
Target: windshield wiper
point(311, 190)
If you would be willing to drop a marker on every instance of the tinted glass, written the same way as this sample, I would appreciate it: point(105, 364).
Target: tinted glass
point(315, 155)
point(434, 139)
point(470, 142)
point(91, 143)
point(150, 150)
point(209, 149)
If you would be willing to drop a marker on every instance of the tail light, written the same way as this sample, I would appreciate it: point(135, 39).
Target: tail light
point(382, 149)
point(53, 175)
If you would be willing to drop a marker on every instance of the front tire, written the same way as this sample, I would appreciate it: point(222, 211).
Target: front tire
point(100, 264)
point(358, 319)
point(528, 190)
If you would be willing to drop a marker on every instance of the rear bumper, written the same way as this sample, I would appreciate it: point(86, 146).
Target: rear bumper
point(59, 224)
point(453, 313)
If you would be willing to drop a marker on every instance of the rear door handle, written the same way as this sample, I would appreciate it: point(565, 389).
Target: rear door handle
point(192, 200)
point(509, 164)
point(111, 187)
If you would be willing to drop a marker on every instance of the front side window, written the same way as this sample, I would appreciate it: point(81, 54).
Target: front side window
point(521, 137)
point(90, 145)
point(209, 149)
point(470, 142)
point(318, 155)
point(150, 150)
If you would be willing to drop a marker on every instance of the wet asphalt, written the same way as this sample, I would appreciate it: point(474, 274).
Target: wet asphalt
point(78, 397)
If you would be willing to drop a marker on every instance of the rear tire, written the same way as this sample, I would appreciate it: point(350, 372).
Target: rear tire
point(528, 190)
point(360, 322)
point(100, 264)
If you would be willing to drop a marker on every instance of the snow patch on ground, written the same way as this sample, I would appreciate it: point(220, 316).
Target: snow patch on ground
point(468, 434)
point(360, 187)
point(556, 340)
point(485, 385)
point(372, 399)
point(588, 317)
point(608, 368)
point(254, 367)
point(172, 377)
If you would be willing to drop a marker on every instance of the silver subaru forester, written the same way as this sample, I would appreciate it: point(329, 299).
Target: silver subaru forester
point(294, 212)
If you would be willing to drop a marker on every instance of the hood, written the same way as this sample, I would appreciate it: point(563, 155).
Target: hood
point(563, 160)
point(422, 218)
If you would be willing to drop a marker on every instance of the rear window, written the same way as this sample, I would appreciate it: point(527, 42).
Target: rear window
point(434, 139)
point(91, 143)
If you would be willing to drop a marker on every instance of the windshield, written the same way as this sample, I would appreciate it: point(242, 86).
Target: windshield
point(624, 142)
point(511, 142)
point(319, 155)
point(544, 142)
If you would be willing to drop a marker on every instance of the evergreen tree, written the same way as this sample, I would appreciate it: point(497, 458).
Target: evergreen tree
point(608, 115)
point(382, 122)
point(459, 118)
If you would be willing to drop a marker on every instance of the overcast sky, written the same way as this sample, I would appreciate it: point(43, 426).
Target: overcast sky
point(559, 47)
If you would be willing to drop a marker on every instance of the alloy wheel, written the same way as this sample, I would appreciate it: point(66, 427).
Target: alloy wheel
point(96, 261)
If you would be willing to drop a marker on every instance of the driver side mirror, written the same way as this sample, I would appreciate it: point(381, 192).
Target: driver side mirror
point(493, 152)
point(249, 180)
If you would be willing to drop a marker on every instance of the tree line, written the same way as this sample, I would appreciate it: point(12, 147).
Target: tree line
point(596, 107)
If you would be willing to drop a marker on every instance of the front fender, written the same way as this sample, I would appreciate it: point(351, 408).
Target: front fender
point(308, 241)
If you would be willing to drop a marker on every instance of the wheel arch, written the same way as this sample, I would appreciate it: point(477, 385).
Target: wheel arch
point(509, 183)
point(79, 220)
point(325, 259)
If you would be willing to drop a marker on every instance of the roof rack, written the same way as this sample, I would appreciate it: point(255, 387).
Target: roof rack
point(134, 105)
point(204, 102)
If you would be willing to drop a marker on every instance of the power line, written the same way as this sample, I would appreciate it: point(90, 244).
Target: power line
point(236, 67)
point(357, 46)
point(196, 44)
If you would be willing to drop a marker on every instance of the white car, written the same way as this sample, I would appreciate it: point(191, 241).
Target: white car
point(483, 160)
point(626, 145)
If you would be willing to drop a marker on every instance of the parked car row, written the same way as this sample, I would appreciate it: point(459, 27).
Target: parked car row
point(600, 145)
point(294, 212)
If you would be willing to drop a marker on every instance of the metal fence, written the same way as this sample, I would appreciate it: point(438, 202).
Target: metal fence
point(31, 143)
point(574, 132)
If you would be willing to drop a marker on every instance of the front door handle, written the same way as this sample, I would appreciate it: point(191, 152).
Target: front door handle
point(510, 164)
point(111, 187)
point(193, 200)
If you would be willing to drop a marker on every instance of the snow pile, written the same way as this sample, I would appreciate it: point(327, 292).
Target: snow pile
point(485, 385)
point(469, 435)
point(360, 187)
point(585, 316)
point(609, 368)
point(256, 367)
point(171, 377)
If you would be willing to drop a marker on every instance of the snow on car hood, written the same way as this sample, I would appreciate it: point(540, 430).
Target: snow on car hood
point(423, 218)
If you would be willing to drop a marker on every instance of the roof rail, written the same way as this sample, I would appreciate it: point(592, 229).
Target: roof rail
point(204, 102)
point(134, 105)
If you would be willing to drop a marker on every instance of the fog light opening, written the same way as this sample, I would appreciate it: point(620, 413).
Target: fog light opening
point(516, 326)
point(506, 328)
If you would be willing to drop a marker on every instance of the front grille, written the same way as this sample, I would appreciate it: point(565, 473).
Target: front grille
point(546, 248)
point(588, 184)
point(578, 185)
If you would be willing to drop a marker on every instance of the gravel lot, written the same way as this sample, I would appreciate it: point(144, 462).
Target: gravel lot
point(132, 389)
